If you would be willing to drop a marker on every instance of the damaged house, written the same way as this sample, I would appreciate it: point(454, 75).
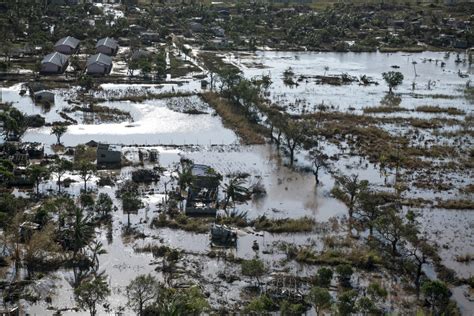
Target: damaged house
point(109, 155)
point(203, 191)
point(40, 94)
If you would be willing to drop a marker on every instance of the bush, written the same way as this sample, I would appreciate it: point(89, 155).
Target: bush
point(261, 305)
point(344, 272)
point(324, 277)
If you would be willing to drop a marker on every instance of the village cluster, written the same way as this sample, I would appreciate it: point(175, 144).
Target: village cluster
point(98, 64)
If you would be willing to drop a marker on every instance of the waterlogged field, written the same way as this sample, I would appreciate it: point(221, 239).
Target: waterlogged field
point(426, 81)
point(187, 127)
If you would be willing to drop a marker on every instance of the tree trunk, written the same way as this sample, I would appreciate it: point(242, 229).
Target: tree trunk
point(417, 279)
point(351, 211)
point(316, 175)
point(394, 247)
point(85, 185)
point(226, 203)
point(59, 184)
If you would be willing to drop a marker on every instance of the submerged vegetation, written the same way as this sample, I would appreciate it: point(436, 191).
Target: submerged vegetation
point(311, 204)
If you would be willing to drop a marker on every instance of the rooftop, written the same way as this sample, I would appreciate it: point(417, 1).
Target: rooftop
point(68, 41)
point(99, 59)
point(55, 58)
point(108, 42)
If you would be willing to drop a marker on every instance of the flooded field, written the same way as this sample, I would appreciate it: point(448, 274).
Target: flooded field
point(167, 125)
point(434, 84)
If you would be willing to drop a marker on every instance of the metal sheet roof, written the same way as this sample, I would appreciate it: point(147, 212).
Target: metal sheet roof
point(99, 59)
point(56, 59)
point(108, 42)
point(68, 41)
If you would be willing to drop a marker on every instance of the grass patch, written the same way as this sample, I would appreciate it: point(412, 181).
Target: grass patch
point(180, 67)
point(438, 109)
point(362, 258)
point(385, 109)
point(285, 225)
point(147, 96)
point(102, 113)
point(466, 258)
point(181, 221)
point(456, 204)
point(235, 119)
point(215, 63)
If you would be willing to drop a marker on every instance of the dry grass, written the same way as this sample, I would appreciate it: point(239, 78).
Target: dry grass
point(385, 109)
point(456, 204)
point(235, 119)
point(437, 109)
point(285, 225)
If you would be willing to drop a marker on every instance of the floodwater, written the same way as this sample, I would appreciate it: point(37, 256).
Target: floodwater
point(446, 88)
point(289, 192)
point(154, 122)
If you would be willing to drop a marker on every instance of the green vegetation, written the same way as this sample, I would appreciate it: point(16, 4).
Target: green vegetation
point(181, 221)
point(393, 79)
point(285, 225)
point(250, 133)
point(438, 109)
point(253, 268)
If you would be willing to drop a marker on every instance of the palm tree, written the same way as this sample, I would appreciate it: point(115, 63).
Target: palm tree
point(235, 190)
point(81, 231)
point(97, 249)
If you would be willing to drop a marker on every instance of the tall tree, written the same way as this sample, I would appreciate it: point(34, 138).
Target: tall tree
point(86, 170)
point(390, 228)
point(294, 132)
point(37, 174)
point(104, 205)
point(142, 291)
point(319, 161)
point(349, 189)
point(58, 131)
point(14, 123)
point(90, 293)
point(130, 204)
point(320, 299)
point(60, 168)
point(393, 79)
point(437, 295)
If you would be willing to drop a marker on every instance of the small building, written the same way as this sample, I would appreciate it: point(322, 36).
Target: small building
point(109, 155)
point(34, 150)
point(196, 27)
point(145, 176)
point(40, 94)
point(107, 46)
point(149, 37)
point(67, 45)
point(218, 31)
point(203, 191)
point(54, 63)
point(99, 64)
